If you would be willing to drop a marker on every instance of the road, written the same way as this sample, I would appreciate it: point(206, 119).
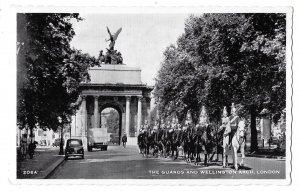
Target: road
point(126, 163)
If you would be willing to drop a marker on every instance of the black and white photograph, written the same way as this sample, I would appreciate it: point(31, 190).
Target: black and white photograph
point(155, 95)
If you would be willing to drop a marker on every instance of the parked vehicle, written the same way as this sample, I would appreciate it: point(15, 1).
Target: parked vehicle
point(98, 138)
point(57, 142)
point(74, 148)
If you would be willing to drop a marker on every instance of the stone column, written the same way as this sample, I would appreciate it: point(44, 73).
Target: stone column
point(84, 132)
point(84, 115)
point(148, 109)
point(127, 115)
point(139, 114)
point(96, 112)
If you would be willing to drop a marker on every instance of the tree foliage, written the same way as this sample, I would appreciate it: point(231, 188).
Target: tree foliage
point(49, 71)
point(224, 58)
point(113, 121)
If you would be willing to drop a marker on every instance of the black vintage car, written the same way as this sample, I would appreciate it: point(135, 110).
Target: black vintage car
point(74, 148)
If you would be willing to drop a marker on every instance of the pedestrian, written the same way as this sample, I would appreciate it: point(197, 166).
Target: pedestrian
point(31, 148)
point(124, 140)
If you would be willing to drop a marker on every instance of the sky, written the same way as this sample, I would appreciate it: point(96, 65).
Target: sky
point(142, 41)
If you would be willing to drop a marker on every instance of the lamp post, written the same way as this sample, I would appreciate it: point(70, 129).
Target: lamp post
point(61, 145)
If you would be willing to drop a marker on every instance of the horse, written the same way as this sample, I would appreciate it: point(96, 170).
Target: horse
point(238, 141)
point(162, 144)
point(207, 143)
point(184, 143)
point(151, 144)
point(175, 143)
point(189, 146)
point(226, 144)
point(167, 136)
point(149, 139)
point(159, 141)
point(154, 142)
point(218, 142)
point(214, 145)
point(143, 141)
point(197, 144)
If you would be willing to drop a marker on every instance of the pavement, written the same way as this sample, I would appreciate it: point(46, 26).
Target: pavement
point(44, 162)
point(126, 163)
point(268, 153)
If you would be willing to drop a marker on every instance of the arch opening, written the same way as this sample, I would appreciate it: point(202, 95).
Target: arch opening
point(111, 119)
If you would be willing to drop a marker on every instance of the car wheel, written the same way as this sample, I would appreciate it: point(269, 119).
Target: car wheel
point(82, 156)
point(105, 148)
point(66, 157)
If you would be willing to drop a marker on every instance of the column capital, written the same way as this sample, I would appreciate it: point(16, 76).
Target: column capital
point(96, 97)
point(83, 97)
point(140, 97)
point(128, 98)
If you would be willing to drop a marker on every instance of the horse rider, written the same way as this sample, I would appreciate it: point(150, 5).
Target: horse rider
point(184, 128)
point(155, 127)
point(225, 123)
point(162, 125)
point(234, 120)
point(142, 129)
point(173, 126)
point(155, 131)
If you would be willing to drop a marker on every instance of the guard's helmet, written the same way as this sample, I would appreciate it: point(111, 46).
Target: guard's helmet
point(225, 114)
point(188, 119)
point(233, 109)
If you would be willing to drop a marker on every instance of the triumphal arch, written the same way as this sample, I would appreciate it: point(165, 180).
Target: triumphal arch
point(113, 86)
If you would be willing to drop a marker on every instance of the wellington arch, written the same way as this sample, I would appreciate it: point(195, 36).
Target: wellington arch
point(114, 86)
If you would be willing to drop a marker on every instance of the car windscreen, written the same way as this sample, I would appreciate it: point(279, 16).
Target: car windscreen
point(75, 143)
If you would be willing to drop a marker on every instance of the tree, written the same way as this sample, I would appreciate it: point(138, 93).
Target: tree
point(225, 58)
point(154, 116)
point(49, 71)
point(113, 120)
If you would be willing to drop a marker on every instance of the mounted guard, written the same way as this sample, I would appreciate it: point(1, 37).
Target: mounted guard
point(234, 136)
point(174, 133)
point(238, 142)
point(226, 126)
point(234, 120)
point(206, 138)
point(188, 146)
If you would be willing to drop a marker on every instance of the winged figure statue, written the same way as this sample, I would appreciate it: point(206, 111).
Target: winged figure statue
point(113, 38)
